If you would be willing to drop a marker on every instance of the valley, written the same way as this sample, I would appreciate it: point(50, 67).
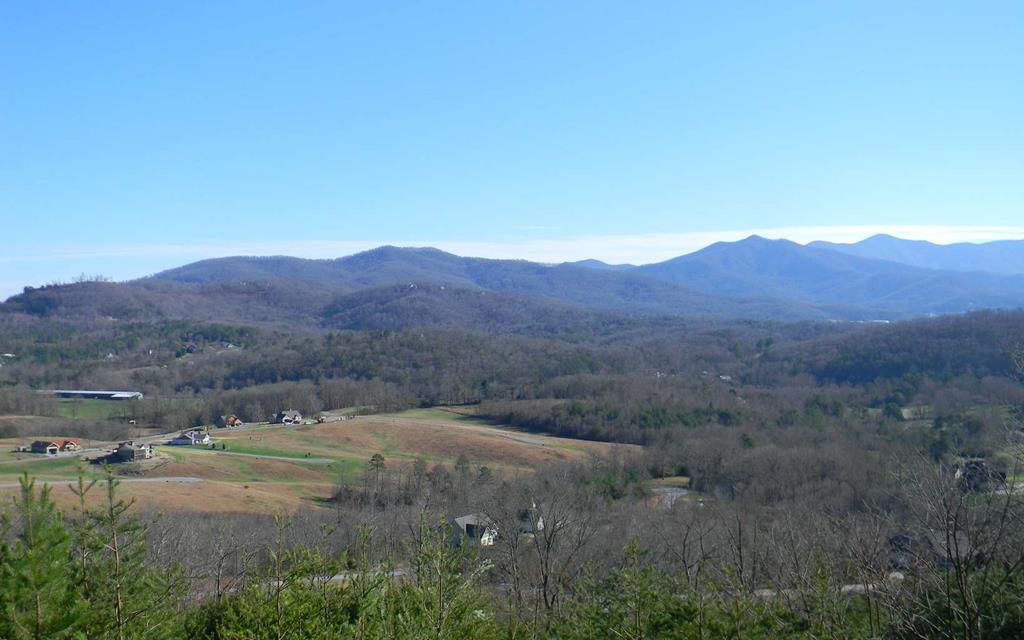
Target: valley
point(708, 422)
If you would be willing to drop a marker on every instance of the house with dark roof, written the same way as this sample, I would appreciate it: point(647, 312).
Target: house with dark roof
point(131, 452)
point(287, 417)
point(228, 421)
point(476, 529)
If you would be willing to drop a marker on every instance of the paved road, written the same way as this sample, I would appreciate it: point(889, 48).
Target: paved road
point(168, 480)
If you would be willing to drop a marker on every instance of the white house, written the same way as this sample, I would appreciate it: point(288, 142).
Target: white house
point(191, 437)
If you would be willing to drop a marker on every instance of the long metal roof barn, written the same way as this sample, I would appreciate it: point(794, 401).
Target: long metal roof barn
point(94, 395)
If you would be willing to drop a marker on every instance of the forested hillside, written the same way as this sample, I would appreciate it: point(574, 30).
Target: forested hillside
point(397, 288)
point(540, 365)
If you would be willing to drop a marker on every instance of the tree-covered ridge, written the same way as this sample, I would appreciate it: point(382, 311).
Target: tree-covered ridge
point(752, 279)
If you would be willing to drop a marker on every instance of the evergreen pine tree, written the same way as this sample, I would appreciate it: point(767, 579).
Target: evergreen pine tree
point(39, 597)
point(127, 598)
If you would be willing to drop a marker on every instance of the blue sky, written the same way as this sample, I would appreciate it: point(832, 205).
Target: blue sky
point(138, 136)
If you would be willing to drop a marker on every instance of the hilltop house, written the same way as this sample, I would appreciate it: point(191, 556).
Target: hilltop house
point(476, 529)
point(53, 447)
point(287, 417)
point(190, 437)
point(228, 421)
point(130, 452)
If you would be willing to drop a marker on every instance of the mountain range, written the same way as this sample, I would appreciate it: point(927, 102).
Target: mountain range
point(1001, 256)
point(882, 278)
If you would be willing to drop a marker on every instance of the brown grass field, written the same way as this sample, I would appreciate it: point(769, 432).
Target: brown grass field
point(302, 465)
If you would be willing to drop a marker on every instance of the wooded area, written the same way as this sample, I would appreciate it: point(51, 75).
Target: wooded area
point(819, 465)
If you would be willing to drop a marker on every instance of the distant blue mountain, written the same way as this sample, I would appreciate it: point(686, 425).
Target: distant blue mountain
point(597, 264)
point(611, 289)
point(1002, 256)
point(784, 270)
point(392, 287)
point(750, 278)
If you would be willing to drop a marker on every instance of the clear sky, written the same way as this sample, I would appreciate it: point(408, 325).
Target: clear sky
point(136, 136)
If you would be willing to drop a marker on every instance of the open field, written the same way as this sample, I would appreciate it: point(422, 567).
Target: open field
point(11, 425)
point(94, 409)
point(286, 468)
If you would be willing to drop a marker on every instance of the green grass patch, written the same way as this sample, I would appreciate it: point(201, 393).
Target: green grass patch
point(47, 467)
point(673, 481)
point(387, 448)
point(348, 470)
point(232, 447)
point(245, 468)
point(90, 409)
point(247, 471)
point(8, 453)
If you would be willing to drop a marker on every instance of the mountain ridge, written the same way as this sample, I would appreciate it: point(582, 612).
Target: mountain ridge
point(1005, 257)
point(782, 269)
point(396, 287)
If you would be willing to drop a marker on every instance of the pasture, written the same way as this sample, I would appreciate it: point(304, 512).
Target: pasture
point(271, 468)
